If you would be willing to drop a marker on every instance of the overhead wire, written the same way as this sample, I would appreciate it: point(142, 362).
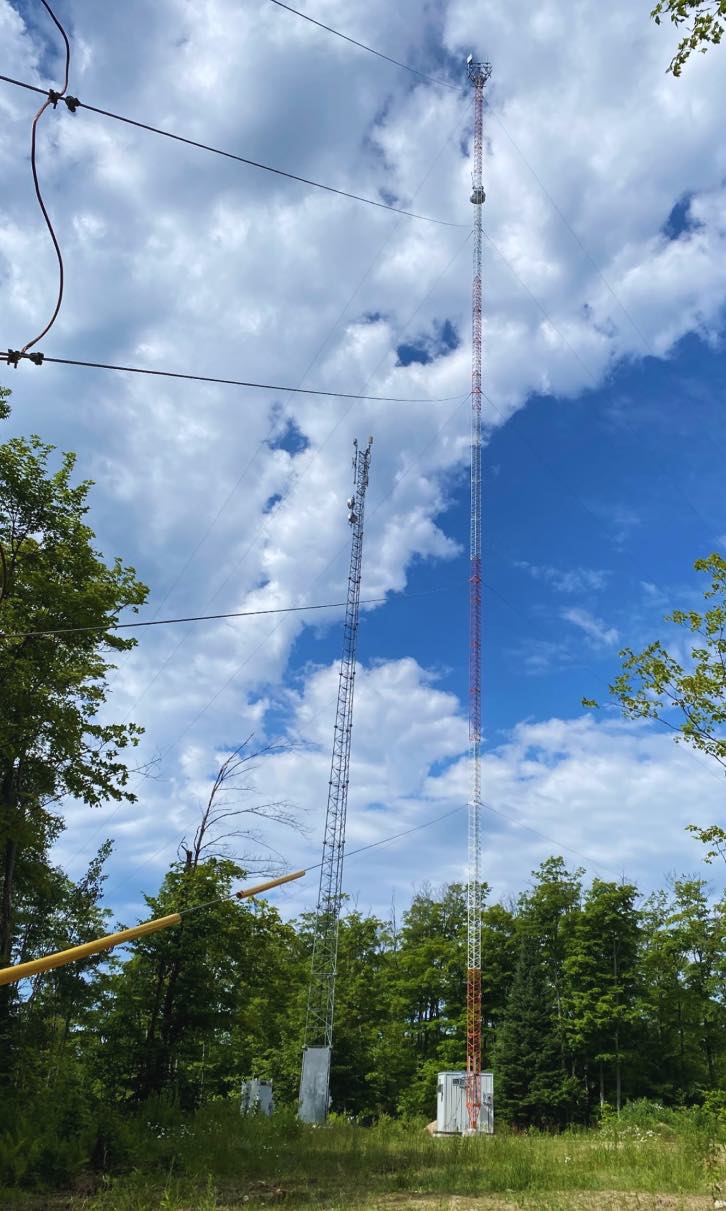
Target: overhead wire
point(347, 854)
point(229, 155)
point(363, 46)
point(199, 378)
point(225, 382)
point(52, 100)
point(162, 622)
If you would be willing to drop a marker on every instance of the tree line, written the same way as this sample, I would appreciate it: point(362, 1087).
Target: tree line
point(591, 995)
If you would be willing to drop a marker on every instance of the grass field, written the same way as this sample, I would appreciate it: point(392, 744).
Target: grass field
point(223, 1161)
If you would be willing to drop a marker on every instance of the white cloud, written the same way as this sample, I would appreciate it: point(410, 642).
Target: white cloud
point(567, 580)
point(596, 630)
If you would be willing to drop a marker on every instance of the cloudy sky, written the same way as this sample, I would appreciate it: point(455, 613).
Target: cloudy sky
point(605, 282)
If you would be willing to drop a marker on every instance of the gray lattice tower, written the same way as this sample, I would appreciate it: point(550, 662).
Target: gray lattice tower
point(321, 993)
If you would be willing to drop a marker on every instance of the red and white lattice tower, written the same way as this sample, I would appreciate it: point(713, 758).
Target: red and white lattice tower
point(478, 73)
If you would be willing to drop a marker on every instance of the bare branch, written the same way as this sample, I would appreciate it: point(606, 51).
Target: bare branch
point(227, 803)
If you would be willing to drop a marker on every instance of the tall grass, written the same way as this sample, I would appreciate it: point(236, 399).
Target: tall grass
point(220, 1158)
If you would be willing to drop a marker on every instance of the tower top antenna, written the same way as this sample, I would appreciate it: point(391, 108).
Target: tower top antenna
point(478, 72)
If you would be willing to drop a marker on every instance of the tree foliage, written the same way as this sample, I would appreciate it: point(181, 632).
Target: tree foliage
point(705, 21)
point(687, 694)
point(52, 742)
point(532, 1085)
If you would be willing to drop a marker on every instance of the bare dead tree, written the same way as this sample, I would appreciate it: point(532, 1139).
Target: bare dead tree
point(232, 823)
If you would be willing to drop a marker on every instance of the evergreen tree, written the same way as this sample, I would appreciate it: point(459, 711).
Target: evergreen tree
point(531, 1087)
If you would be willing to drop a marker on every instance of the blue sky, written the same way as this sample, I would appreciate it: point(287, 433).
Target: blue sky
point(605, 288)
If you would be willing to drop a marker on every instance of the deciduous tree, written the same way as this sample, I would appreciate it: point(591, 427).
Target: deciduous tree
point(52, 743)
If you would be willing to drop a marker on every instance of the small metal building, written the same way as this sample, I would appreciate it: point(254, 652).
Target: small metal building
point(451, 1113)
point(257, 1097)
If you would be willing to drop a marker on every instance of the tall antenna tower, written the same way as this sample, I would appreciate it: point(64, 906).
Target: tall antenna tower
point(315, 1076)
point(478, 74)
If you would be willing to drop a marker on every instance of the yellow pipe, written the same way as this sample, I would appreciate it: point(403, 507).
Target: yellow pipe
point(11, 975)
point(255, 891)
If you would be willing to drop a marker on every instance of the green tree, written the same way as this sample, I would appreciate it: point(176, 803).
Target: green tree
point(670, 1067)
point(531, 1086)
point(52, 743)
point(698, 932)
point(550, 911)
point(360, 1008)
point(499, 951)
point(430, 987)
point(688, 697)
point(199, 1006)
point(705, 19)
point(601, 969)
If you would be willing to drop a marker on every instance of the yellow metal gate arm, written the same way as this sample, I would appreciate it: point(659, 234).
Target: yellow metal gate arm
point(11, 975)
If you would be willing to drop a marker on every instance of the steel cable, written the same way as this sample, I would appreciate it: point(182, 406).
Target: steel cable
point(362, 46)
point(230, 155)
point(11, 357)
point(52, 100)
point(165, 622)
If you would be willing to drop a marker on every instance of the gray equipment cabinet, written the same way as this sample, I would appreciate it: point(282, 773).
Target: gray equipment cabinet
point(451, 1113)
point(314, 1084)
point(256, 1097)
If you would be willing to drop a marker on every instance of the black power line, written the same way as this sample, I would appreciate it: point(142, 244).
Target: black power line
point(362, 46)
point(74, 104)
point(165, 622)
point(52, 98)
point(12, 357)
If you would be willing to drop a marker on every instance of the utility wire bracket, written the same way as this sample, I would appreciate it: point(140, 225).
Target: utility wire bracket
point(13, 357)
